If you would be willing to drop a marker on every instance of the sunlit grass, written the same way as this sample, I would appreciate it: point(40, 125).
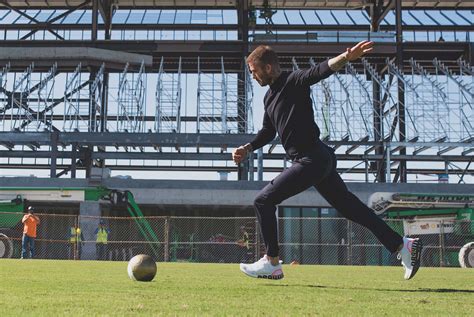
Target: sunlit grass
point(85, 288)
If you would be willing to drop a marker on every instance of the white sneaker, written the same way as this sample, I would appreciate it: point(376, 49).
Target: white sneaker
point(263, 269)
point(410, 255)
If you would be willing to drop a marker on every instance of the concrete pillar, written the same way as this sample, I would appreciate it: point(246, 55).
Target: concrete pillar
point(89, 213)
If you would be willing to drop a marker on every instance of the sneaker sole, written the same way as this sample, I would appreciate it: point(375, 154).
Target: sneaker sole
point(417, 246)
point(271, 277)
point(268, 277)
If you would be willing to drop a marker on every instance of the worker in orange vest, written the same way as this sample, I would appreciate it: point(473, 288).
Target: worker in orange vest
point(30, 221)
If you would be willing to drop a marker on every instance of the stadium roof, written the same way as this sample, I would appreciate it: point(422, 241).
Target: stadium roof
point(294, 18)
point(278, 4)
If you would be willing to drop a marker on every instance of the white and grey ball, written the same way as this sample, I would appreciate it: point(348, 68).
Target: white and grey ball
point(141, 268)
point(466, 255)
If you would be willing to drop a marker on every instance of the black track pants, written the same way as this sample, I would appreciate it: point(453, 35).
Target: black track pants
point(318, 170)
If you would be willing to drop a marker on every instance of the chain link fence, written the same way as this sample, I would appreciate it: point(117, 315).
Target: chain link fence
point(332, 241)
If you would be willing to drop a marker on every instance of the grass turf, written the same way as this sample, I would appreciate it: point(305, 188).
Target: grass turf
point(47, 287)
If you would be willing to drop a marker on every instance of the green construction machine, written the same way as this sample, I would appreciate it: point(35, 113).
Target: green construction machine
point(14, 201)
point(10, 215)
point(445, 222)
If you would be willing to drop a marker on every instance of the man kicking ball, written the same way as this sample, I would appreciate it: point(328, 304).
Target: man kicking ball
point(289, 112)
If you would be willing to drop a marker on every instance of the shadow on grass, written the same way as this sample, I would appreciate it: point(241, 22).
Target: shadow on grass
point(419, 290)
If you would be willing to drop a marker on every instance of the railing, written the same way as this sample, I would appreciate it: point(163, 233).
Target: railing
point(230, 35)
point(331, 241)
point(325, 37)
point(356, 36)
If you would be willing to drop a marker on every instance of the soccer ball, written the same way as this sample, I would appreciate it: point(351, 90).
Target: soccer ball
point(141, 268)
point(466, 255)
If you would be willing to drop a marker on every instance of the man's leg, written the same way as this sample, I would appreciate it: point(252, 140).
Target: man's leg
point(290, 182)
point(72, 250)
point(104, 252)
point(24, 246)
point(333, 189)
point(32, 247)
point(101, 251)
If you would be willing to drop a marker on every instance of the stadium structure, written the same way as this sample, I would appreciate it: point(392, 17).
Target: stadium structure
point(152, 96)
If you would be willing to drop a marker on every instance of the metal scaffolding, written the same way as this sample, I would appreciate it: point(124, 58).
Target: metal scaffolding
point(438, 103)
point(460, 93)
point(29, 104)
point(321, 106)
point(45, 97)
point(436, 110)
point(410, 89)
point(4, 94)
point(19, 102)
point(239, 93)
point(247, 99)
point(212, 97)
point(438, 106)
point(410, 101)
point(131, 100)
point(96, 102)
point(76, 102)
point(342, 106)
point(168, 100)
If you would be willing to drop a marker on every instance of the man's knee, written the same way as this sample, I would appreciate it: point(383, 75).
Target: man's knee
point(260, 200)
point(266, 200)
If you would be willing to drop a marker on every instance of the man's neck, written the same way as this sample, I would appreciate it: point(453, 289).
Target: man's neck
point(275, 77)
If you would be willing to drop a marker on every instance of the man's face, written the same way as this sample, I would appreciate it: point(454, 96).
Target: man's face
point(261, 73)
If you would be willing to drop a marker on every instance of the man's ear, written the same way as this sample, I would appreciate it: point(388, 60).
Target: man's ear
point(268, 68)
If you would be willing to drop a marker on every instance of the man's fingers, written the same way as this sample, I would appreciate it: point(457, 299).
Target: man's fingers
point(358, 48)
point(364, 48)
point(363, 45)
point(367, 45)
point(360, 44)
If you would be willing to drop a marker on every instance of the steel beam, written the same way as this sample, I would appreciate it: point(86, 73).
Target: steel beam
point(184, 139)
point(210, 53)
point(231, 4)
point(229, 168)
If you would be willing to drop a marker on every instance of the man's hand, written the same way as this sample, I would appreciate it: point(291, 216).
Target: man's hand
point(351, 54)
point(240, 153)
point(359, 50)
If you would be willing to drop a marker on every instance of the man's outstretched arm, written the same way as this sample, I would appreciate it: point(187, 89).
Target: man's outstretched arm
point(351, 54)
point(314, 74)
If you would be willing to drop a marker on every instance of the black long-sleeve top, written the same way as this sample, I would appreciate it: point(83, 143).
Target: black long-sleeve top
point(289, 111)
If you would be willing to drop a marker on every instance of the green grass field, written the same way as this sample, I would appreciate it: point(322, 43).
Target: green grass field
point(85, 288)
